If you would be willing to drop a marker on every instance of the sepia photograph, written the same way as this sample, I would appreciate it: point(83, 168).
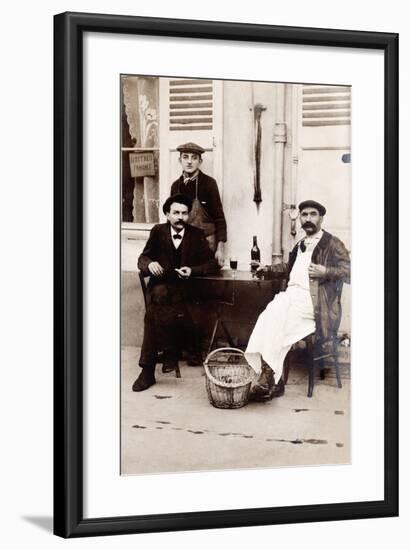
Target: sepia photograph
point(236, 244)
point(226, 279)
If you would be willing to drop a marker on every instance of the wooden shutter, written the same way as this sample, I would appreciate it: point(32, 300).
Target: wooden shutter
point(190, 104)
point(326, 105)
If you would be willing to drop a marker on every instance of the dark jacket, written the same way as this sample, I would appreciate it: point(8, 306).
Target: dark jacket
point(326, 292)
point(194, 249)
point(209, 197)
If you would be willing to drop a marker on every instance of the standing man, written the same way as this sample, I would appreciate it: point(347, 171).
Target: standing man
point(318, 267)
point(175, 252)
point(207, 211)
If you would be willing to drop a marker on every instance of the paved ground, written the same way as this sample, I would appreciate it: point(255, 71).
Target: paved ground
point(172, 427)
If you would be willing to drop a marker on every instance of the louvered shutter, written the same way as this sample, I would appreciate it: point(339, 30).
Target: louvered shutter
point(326, 105)
point(190, 105)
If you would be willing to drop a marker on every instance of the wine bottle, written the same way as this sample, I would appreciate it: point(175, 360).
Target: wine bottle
point(255, 255)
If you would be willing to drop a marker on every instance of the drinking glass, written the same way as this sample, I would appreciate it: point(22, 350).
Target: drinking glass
point(233, 263)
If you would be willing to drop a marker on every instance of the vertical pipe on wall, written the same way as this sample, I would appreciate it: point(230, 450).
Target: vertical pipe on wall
point(280, 139)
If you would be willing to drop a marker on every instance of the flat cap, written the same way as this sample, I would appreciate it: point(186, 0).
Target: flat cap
point(312, 204)
point(190, 148)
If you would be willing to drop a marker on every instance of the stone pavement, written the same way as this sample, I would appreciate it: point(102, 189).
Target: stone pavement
point(172, 427)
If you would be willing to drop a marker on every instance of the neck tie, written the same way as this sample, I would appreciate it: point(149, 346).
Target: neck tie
point(177, 236)
point(187, 179)
point(303, 248)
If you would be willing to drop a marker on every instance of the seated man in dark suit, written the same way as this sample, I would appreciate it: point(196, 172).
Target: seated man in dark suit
point(175, 252)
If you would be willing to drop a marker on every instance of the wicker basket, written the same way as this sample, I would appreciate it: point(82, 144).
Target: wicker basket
point(228, 378)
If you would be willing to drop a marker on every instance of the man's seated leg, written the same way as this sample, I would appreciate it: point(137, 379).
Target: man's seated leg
point(147, 360)
point(182, 333)
point(192, 341)
point(178, 335)
point(149, 350)
point(165, 301)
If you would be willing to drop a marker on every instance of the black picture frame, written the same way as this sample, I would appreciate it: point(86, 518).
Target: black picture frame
point(68, 274)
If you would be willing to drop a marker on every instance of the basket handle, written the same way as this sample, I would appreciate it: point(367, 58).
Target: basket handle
point(209, 374)
point(222, 349)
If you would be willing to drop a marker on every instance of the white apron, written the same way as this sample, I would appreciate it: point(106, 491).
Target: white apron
point(288, 318)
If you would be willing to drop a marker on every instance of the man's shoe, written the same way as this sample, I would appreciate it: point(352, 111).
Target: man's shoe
point(266, 379)
point(194, 359)
point(145, 380)
point(265, 388)
point(169, 365)
point(278, 389)
point(264, 394)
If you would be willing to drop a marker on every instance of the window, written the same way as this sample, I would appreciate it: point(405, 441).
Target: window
point(140, 149)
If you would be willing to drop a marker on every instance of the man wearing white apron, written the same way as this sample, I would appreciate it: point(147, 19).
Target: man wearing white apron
point(318, 266)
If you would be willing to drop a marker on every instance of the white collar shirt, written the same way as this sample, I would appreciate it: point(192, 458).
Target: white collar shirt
point(176, 242)
point(299, 273)
point(312, 241)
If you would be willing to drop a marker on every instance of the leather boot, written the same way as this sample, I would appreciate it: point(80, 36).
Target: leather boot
point(170, 360)
point(278, 389)
point(263, 387)
point(145, 380)
point(169, 365)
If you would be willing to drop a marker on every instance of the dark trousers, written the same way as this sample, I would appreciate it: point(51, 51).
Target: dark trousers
point(168, 324)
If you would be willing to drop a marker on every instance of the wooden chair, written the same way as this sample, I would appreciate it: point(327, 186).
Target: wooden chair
point(317, 352)
point(142, 280)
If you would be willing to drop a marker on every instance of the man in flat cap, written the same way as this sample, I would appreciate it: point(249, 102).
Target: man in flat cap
point(318, 266)
point(207, 211)
point(174, 253)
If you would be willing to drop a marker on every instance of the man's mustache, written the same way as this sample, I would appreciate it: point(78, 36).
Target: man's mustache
point(308, 224)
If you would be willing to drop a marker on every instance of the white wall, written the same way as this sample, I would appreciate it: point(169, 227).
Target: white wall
point(243, 218)
point(26, 275)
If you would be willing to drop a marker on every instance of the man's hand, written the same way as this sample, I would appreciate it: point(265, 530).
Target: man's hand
point(184, 272)
point(219, 254)
point(276, 268)
point(317, 271)
point(156, 269)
